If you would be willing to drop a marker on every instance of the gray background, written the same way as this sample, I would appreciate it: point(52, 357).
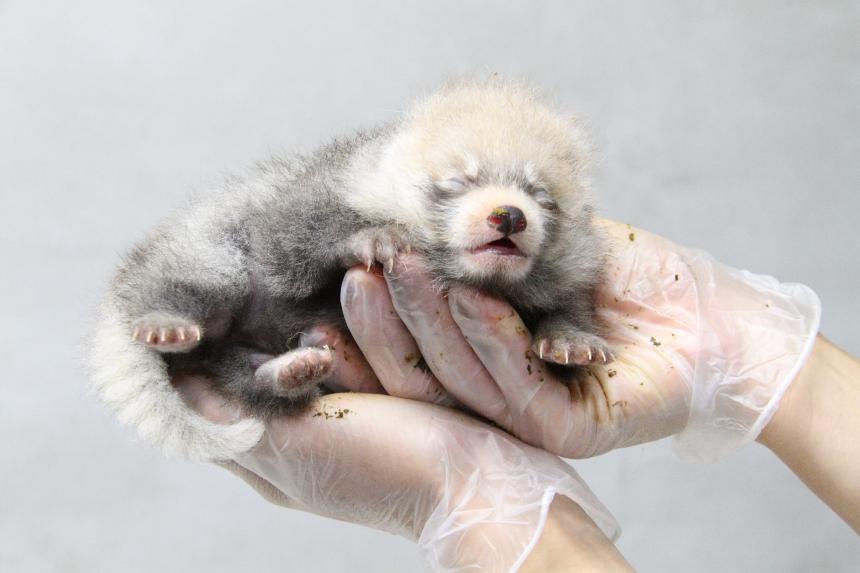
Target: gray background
point(731, 128)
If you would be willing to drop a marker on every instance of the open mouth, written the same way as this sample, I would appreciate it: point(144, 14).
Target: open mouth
point(502, 247)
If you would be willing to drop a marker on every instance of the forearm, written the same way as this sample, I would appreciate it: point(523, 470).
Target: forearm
point(572, 542)
point(816, 430)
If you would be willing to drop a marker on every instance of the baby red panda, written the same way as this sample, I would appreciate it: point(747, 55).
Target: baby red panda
point(483, 179)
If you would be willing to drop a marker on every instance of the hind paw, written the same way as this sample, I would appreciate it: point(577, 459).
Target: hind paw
point(296, 371)
point(167, 332)
point(572, 348)
point(381, 244)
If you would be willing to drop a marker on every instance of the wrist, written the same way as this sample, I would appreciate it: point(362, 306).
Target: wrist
point(790, 418)
point(571, 541)
point(816, 432)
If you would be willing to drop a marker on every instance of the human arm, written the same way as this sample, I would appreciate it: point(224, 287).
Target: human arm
point(816, 430)
point(701, 349)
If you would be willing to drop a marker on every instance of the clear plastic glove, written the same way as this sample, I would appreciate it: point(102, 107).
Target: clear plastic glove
point(471, 496)
point(702, 350)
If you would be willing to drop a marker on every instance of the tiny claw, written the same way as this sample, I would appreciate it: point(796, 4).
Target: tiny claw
point(408, 248)
point(540, 349)
point(566, 356)
point(369, 265)
point(589, 355)
point(162, 335)
point(391, 265)
point(180, 333)
point(150, 336)
point(603, 356)
point(136, 334)
point(197, 334)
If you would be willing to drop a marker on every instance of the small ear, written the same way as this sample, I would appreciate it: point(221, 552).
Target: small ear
point(471, 168)
point(530, 172)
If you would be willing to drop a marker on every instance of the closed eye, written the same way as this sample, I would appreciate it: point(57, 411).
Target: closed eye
point(540, 194)
point(544, 200)
point(451, 185)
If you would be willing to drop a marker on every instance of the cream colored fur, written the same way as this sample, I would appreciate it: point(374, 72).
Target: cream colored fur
point(466, 127)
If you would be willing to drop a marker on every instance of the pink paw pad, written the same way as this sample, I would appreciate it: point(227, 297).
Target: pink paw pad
point(167, 333)
point(303, 367)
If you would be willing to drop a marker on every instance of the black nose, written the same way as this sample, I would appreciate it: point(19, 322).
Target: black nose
point(507, 219)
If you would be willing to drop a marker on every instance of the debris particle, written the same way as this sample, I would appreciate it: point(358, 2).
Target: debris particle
point(633, 326)
point(622, 403)
point(529, 367)
point(676, 276)
point(632, 236)
point(337, 414)
point(655, 342)
point(611, 373)
point(415, 360)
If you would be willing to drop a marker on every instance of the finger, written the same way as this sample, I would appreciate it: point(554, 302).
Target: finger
point(573, 419)
point(425, 313)
point(502, 343)
point(351, 371)
point(388, 347)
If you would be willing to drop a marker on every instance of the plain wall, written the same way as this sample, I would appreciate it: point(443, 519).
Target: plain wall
point(732, 128)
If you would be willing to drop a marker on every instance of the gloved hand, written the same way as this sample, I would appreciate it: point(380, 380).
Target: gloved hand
point(470, 495)
point(702, 350)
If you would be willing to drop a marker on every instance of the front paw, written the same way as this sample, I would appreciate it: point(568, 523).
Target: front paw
point(568, 348)
point(381, 244)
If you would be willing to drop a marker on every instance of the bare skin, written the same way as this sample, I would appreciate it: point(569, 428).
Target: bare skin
point(816, 430)
point(572, 542)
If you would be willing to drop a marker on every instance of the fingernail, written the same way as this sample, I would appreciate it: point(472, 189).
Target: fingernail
point(348, 290)
point(352, 293)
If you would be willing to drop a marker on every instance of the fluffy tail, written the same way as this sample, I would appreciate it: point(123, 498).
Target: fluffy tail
point(133, 381)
